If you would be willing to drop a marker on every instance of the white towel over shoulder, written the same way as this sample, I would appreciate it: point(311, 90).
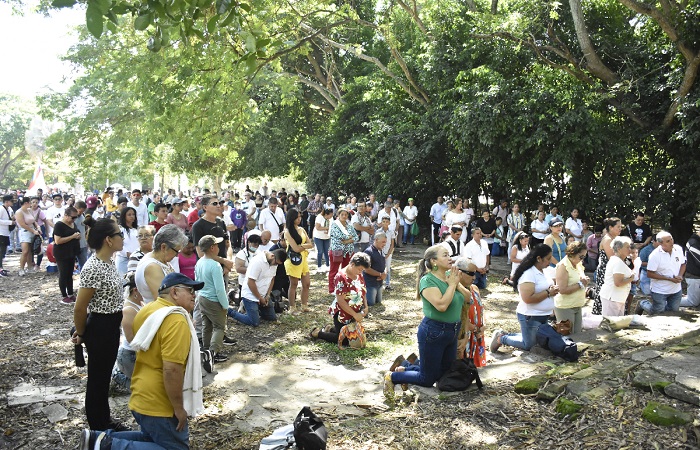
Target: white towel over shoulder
point(192, 397)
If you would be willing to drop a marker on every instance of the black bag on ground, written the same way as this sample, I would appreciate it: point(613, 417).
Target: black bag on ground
point(561, 346)
point(309, 431)
point(461, 375)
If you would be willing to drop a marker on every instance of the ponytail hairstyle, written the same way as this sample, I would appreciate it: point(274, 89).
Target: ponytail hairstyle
point(539, 251)
point(425, 265)
point(610, 222)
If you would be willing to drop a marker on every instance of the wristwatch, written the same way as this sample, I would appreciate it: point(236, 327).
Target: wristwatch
point(580, 283)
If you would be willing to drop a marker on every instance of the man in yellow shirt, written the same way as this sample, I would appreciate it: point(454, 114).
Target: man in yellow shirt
point(157, 383)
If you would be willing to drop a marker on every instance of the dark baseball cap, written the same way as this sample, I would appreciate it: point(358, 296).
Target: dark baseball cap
point(176, 278)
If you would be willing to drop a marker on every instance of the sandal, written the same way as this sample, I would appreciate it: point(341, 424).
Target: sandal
point(505, 280)
point(316, 330)
point(412, 358)
point(328, 328)
point(397, 363)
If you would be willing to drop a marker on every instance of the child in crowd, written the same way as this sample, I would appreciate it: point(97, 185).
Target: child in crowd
point(187, 259)
point(500, 242)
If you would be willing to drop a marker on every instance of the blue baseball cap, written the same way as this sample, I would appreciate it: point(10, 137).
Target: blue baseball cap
point(176, 278)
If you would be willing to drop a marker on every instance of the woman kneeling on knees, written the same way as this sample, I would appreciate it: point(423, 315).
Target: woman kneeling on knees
point(350, 303)
point(536, 300)
point(442, 296)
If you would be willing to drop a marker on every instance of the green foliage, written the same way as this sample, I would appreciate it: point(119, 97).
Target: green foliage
point(14, 123)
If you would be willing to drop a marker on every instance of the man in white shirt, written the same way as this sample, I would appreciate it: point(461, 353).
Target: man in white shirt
point(248, 205)
point(436, 218)
point(410, 213)
point(453, 244)
point(329, 204)
point(140, 207)
point(665, 269)
point(54, 214)
point(272, 219)
point(255, 293)
point(7, 219)
point(478, 250)
point(362, 223)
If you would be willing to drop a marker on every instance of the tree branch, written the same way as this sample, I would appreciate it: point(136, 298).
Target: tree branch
point(414, 14)
point(594, 63)
point(321, 90)
point(691, 74)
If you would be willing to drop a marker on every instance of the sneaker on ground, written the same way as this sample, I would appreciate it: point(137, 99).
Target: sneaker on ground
point(72, 298)
point(388, 288)
point(119, 426)
point(388, 387)
point(66, 301)
point(206, 360)
point(36, 268)
point(496, 340)
point(94, 440)
point(229, 340)
point(220, 357)
point(4, 273)
point(21, 273)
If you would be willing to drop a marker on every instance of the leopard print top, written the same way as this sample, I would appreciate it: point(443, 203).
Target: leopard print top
point(105, 279)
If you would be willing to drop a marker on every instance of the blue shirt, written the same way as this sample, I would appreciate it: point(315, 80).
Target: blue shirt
point(644, 254)
point(378, 263)
point(211, 273)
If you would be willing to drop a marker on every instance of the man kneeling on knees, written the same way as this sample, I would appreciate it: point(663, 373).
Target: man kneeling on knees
point(255, 294)
point(166, 386)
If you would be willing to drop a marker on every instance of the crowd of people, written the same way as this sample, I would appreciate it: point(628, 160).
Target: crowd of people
point(156, 282)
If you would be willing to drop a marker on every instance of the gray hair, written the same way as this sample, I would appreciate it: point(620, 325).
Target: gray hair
point(170, 235)
point(619, 242)
point(464, 263)
point(661, 235)
point(379, 235)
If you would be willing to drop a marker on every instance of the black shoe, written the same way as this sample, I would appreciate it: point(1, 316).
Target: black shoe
point(91, 440)
point(229, 340)
point(206, 360)
point(220, 357)
point(118, 426)
point(639, 310)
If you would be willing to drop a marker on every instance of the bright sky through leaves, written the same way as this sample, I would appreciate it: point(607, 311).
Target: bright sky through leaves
point(31, 46)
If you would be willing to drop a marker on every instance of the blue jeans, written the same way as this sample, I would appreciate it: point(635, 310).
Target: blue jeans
point(374, 294)
point(83, 257)
point(156, 433)
point(644, 282)
point(253, 313)
point(322, 247)
point(124, 369)
point(496, 249)
point(662, 302)
point(692, 300)
point(407, 233)
point(480, 279)
point(437, 346)
point(527, 338)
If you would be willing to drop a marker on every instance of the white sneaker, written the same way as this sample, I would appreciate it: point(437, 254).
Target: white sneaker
point(21, 273)
point(36, 268)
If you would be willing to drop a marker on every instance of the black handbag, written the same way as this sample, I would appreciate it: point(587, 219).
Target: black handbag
point(294, 257)
point(309, 431)
point(36, 244)
point(461, 375)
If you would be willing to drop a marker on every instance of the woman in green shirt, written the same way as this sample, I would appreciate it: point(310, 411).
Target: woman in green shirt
point(442, 296)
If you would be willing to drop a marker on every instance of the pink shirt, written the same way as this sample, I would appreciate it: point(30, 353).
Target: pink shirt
point(187, 264)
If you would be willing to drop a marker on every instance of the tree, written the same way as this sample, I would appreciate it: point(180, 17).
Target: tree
point(14, 123)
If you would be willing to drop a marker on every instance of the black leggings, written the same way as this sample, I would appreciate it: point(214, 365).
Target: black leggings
point(65, 276)
point(332, 336)
point(102, 342)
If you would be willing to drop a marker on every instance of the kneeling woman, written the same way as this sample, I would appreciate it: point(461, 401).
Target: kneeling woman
point(350, 303)
point(536, 300)
point(443, 297)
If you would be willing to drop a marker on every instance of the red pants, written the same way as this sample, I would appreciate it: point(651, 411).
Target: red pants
point(336, 264)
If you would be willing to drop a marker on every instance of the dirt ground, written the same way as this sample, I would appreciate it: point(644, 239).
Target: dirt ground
point(38, 357)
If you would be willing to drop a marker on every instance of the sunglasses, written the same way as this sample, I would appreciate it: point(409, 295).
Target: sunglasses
point(119, 233)
point(213, 204)
point(73, 217)
point(467, 272)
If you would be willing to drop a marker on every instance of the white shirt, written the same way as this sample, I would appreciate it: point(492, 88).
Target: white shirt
point(227, 216)
point(54, 214)
point(539, 229)
point(477, 252)
point(6, 220)
point(141, 213)
point(244, 256)
point(668, 265)
point(436, 212)
point(410, 213)
point(609, 291)
point(356, 218)
point(543, 308)
point(267, 221)
point(262, 272)
point(456, 248)
point(575, 226)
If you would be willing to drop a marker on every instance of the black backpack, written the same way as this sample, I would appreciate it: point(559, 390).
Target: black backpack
point(561, 346)
point(461, 375)
point(309, 431)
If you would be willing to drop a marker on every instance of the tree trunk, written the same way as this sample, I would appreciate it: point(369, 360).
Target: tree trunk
point(494, 6)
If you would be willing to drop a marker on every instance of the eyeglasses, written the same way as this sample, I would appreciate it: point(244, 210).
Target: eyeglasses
point(119, 233)
point(467, 272)
point(174, 249)
point(144, 236)
point(213, 204)
point(73, 217)
point(187, 288)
